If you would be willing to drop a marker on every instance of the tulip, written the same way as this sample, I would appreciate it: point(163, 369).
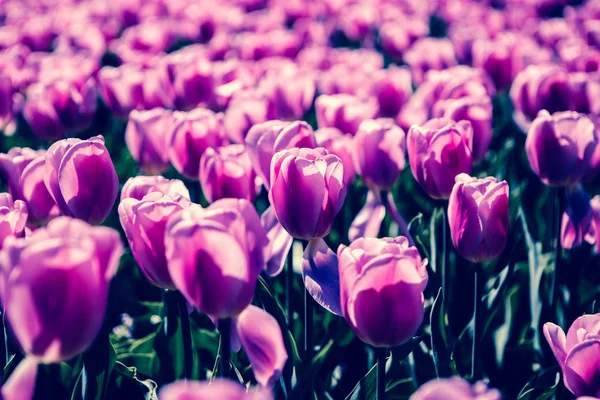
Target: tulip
point(12, 165)
point(192, 80)
point(148, 135)
point(478, 217)
point(291, 93)
point(344, 111)
point(144, 222)
point(307, 182)
point(226, 172)
point(267, 138)
point(81, 178)
point(55, 286)
point(121, 88)
point(567, 136)
point(577, 353)
point(34, 192)
point(215, 255)
point(392, 87)
point(139, 186)
point(455, 389)
point(13, 217)
point(381, 289)
point(193, 134)
point(217, 389)
point(438, 151)
point(379, 153)
point(429, 54)
point(21, 382)
point(335, 142)
point(396, 37)
point(593, 234)
point(245, 110)
point(576, 219)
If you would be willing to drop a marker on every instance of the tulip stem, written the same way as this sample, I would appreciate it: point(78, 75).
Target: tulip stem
point(446, 259)
point(225, 330)
point(558, 212)
point(381, 354)
point(477, 326)
point(308, 323)
point(186, 335)
point(289, 287)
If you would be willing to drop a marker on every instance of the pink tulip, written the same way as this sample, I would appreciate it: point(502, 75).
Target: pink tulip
point(397, 37)
point(593, 234)
point(478, 217)
point(214, 255)
point(381, 289)
point(121, 88)
point(439, 151)
point(139, 186)
point(81, 178)
point(13, 217)
point(55, 280)
point(292, 93)
point(392, 87)
point(455, 389)
point(307, 182)
point(192, 79)
point(335, 142)
point(429, 54)
point(577, 353)
point(245, 110)
point(344, 112)
point(193, 133)
point(217, 389)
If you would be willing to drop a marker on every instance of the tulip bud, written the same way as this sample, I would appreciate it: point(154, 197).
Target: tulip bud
point(567, 136)
point(56, 278)
point(121, 88)
point(216, 389)
point(577, 353)
point(192, 80)
point(335, 142)
point(381, 289)
point(429, 54)
point(344, 111)
point(81, 178)
point(307, 182)
point(478, 217)
point(292, 93)
point(13, 217)
point(577, 217)
point(245, 110)
point(194, 132)
point(226, 172)
point(392, 87)
point(147, 136)
point(215, 255)
point(139, 186)
point(455, 389)
point(268, 138)
point(438, 151)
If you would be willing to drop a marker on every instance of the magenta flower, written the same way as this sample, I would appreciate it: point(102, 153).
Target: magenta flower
point(577, 217)
point(121, 88)
point(139, 186)
point(216, 389)
point(292, 92)
point(593, 234)
point(429, 54)
point(245, 110)
point(392, 87)
point(455, 389)
point(335, 142)
point(13, 217)
point(344, 111)
point(398, 35)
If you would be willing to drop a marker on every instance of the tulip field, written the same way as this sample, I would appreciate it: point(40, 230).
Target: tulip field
point(300, 199)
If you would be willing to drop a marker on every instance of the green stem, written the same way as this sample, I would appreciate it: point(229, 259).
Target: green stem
point(289, 287)
point(188, 352)
point(225, 330)
point(381, 354)
point(477, 326)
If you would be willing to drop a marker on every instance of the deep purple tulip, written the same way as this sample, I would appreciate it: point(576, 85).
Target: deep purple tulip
point(429, 54)
point(226, 172)
point(81, 178)
point(307, 182)
point(392, 87)
point(148, 135)
point(208, 390)
point(194, 132)
point(121, 88)
point(268, 138)
point(567, 136)
point(578, 353)
point(215, 255)
point(55, 280)
point(379, 153)
point(144, 222)
point(245, 110)
point(335, 142)
point(344, 111)
point(13, 217)
point(381, 289)
point(455, 389)
point(478, 217)
point(192, 79)
point(577, 218)
point(291, 92)
point(439, 151)
point(139, 186)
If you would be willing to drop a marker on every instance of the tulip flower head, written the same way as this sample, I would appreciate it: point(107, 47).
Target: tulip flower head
point(13, 217)
point(218, 389)
point(455, 389)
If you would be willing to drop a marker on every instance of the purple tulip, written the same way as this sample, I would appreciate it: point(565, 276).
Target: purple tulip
point(12, 165)
point(21, 382)
point(209, 390)
point(193, 134)
point(439, 151)
point(307, 182)
point(577, 353)
point(593, 234)
point(215, 255)
point(344, 111)
point(246, 109)
point(379, 153)
point(392, 87)
point(144, 222)
point(157, 87)
point(381, 289)
point(7, 104)
point(478, 217)
point(34, 192)
point(476, 110)
point(121, 88)
point(397, 37)
point(335, 142)
point(567, 136)
point(584, 87)
point(576, 55)
point(226, 172)
point(13, 217)
point(455, 389)
point(291, 92)
point(81, 178)
point(268, 138)
point(577, 217)
point(148, 135)
point(429, 54)
point(140, 186)
point(192, 79)
point(55, 280)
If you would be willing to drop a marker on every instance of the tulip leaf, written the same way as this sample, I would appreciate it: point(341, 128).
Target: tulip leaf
point(131, 373)
point(98, 363)
point(543, 386)
point(439, 337)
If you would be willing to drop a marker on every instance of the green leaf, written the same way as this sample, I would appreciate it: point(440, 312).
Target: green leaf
point(145, 363)
point(366, 388)
point(131, 373)
point(98, 363)
point(543, 386)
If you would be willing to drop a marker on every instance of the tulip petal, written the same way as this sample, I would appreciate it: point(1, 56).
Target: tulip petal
point(557, 341)
point(368, 220)
point(321, 276)
point(398, 219)
point(280, 242)
point(582, 368)
point(21, 383)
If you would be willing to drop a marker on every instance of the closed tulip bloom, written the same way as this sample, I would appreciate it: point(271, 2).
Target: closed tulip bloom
point(139, 186)
point(194, 132)
point(455, 389)
point(307, 182)
point(478, 217)
point(12, 165)
point(392, 87)
point(292, 92)
point(381, 289)
point(226, 172)
point(192, 80)
point(567, 136)
point(13, 217)
point(397, 37)
point(438, 151)
point(429, 54)
point(121, 88)
point(215, 255)
point(344, 111)
point(81, 178)
point(246, 109)
point(144, 223)
point(335, 142)
point(577, 217)
point(55, 286)
point(578, 353)
point(379, 152)
point(148, 135)
point(220, 388)
point(40, 203)
point(267, 138)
